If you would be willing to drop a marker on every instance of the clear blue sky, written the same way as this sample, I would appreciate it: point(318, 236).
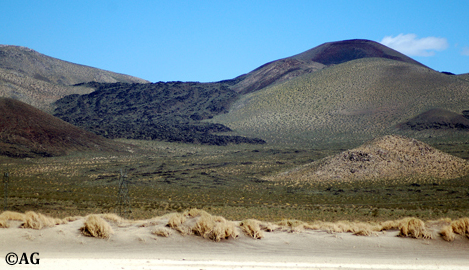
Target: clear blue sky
point(215, 40)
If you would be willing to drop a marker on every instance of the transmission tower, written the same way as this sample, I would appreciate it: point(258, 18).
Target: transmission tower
point(6, 179)
point(123, 199)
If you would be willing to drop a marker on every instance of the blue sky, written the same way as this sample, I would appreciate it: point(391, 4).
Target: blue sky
point(215, 40)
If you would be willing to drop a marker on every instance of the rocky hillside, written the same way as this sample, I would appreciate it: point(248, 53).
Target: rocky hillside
point(28, 132)
point(171, 111)
point(389, 157)
point(39, 80)
point(327, 54)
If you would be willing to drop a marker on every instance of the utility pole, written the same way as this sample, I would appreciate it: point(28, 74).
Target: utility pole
point(123, 199)
point(6, 179)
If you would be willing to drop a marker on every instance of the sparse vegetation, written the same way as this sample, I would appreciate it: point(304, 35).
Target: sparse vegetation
point(96, 226)
point(225, 181)
point(347, 104)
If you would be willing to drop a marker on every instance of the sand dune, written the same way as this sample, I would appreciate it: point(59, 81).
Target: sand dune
point(283, 245)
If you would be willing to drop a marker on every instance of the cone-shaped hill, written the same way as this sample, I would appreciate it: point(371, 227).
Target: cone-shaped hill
point(346, 104)
point(389, 157)
point(437, 119)
point(28, 132)
point(327, 54)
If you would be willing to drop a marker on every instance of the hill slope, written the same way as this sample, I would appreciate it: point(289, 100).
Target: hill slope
point(327, 54)
point(39, 80)
point(163, 111)
point(389, 157)
point(347, 103)
point(436, 119)
point(53, 70)
point(28, 132)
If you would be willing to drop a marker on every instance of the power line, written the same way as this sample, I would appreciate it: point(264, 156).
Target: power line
point(123, 197)
point(6, 180)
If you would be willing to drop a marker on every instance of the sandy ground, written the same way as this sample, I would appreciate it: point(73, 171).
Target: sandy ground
point(133, 247)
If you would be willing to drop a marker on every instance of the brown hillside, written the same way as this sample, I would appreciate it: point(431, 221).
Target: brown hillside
point(40, 80)
point(331, 53)
point(28, 132)
point(53, 70)
point(388, 157)
point(436, 119)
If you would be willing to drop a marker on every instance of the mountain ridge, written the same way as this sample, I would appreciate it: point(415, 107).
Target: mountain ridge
point(26, 131)
point(317, 58)
point(40, 80)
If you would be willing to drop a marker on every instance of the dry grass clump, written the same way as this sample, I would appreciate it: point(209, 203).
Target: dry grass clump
point(415, 228)
point(38, 221)
point(356, 228)
point(268, 226)
point(72, 218)
point(203, 224)
point(293, 225)
point(176, 221)
point(251, 228)
point(95, 226)
point(9, 215)
point(112, 218)
point(214, 228)
point(460, 226)
point(163, 232)
point(447, 233)
point(4, 223)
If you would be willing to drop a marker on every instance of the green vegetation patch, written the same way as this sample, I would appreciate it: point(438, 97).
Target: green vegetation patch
point(225, 181)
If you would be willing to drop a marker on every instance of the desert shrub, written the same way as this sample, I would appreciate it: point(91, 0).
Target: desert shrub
point(251, 228)
point(214, 228)
point(391, 225)
point(447, 233)
point(72, 218)
point(4, 223)
point(112, 217)
point(95, 226)
point(268, 226)
point(9, 215)
point(194, 212)
point(414, 228)
point(38, 221)
point(461, 226)
point(164, 232)
point(176, 221)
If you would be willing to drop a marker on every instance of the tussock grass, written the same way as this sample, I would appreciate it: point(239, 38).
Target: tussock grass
point(414, 228)
point(163, 232)
point(176, 221)
point(201, 223)
point(4, 223)
point(95, 226)
point(9, 215)
point(252, 228)
point(113, 218)
point(461, 226)
point(38, 221)
point(72, 218)
point(447, 233)
point(214, 228)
